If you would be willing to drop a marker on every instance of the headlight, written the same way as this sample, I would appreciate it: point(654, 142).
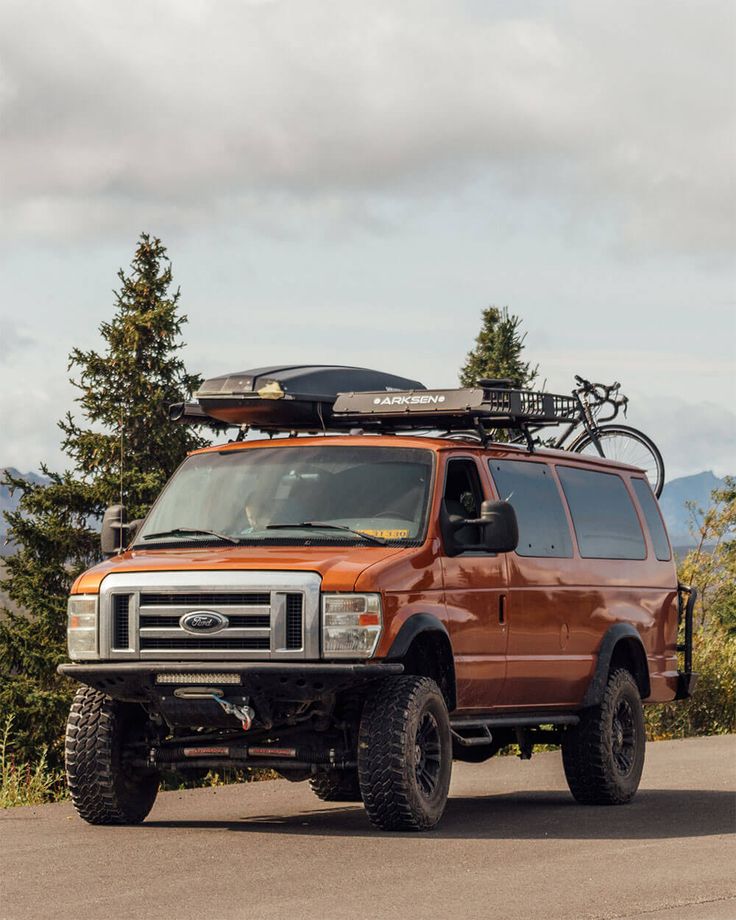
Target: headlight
point(81, 629)
point(351, 625)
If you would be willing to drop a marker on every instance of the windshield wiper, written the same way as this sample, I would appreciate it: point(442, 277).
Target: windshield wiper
point(185, 531)
point(320, 525)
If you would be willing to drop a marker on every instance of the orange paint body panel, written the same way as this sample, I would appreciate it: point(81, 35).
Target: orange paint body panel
point(338, 566)
point(525, 631)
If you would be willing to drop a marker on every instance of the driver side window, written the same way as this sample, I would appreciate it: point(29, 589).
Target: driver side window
point(463, 496)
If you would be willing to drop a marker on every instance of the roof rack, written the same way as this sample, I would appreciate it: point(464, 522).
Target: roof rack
point(480, 408)
point(321, 398)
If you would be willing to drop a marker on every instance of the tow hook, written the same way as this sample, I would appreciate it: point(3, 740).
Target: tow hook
point(244, 714)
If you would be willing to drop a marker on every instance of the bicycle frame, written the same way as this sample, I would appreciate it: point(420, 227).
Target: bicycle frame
point(586, 418)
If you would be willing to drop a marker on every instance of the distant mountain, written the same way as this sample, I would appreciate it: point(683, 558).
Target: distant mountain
point(674, 498)
point(9, 502)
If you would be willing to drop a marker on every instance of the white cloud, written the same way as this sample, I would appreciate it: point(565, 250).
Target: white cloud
point(30, 437)
point(619, 113)
point(12, 340)
point(691, 434)
point(647, 372)
point(353, 182)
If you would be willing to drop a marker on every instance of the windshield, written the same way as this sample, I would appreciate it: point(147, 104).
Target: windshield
point(339, 493)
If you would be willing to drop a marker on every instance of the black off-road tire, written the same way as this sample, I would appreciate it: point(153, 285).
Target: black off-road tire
point(405, 754)
point(104, 789)
point(337, 786)
point(603, 755)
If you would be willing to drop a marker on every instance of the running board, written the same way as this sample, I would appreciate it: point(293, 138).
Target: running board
point(484, 738)
point(462, 723)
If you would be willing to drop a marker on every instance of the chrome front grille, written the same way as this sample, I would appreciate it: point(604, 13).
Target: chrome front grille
point(203, 642)
point(121, 621)
point(242, 620)
point(213, 599)
point(294, 620)
point(248, 621)
point(269, 615)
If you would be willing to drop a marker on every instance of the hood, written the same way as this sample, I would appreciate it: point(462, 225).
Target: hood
point(339, 567)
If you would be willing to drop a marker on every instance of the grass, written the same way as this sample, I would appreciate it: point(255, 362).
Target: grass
point(24, 783)
point(712, 707)
point(36, 784)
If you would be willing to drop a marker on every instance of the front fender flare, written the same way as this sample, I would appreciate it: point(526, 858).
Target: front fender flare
point(416, 624)
point(410, 647)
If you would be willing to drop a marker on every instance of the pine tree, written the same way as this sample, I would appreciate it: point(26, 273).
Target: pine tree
point(497, 352)
point(125, 390)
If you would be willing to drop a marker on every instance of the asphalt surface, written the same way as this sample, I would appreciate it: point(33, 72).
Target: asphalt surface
point(512, 844)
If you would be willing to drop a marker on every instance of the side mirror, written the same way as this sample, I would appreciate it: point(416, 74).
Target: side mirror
point(114, 525)
point(449, 525)
point(500, 527)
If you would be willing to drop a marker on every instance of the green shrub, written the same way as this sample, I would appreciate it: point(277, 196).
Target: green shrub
point(22, 783)
point(712, 708)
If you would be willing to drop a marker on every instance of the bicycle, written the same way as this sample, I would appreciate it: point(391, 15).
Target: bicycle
point(617, 442)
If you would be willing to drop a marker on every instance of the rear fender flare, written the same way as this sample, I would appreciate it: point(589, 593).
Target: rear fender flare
point(618, 633)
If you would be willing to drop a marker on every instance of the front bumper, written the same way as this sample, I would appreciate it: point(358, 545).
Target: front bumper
point(135, 681)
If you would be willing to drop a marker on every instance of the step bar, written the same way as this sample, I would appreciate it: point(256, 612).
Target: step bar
point(687, 678)
point(480, 726)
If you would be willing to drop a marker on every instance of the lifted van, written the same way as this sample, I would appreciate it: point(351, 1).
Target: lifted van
point(358, 609)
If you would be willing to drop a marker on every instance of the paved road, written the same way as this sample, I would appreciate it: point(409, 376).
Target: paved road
point(512, 845)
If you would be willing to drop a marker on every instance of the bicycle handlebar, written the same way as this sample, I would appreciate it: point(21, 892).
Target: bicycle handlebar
point(601, 393)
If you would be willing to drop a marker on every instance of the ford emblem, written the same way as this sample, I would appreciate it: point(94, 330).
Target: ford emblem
point(203, 621)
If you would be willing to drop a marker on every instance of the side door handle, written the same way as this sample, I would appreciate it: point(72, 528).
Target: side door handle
point(502, 609)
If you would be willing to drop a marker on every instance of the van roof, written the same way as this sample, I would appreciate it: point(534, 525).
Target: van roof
point(436, 444)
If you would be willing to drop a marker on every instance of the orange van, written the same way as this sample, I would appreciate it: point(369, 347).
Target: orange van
point(358, 609)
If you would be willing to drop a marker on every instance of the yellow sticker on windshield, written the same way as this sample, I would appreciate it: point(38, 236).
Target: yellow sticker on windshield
point(398, 534)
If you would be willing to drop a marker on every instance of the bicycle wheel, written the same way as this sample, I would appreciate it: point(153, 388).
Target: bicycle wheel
point(626, 445)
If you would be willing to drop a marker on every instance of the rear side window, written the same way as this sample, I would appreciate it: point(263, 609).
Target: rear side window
point(648, 504)
point(531, 489)
point(603, 515)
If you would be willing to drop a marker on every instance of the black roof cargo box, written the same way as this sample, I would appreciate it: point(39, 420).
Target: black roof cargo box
point(298, 397)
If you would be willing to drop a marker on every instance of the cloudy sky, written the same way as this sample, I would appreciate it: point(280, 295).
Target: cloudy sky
point(346, 182)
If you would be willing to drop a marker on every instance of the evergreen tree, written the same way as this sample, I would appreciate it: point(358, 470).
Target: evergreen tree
point(125, 390)
point(497, 352)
